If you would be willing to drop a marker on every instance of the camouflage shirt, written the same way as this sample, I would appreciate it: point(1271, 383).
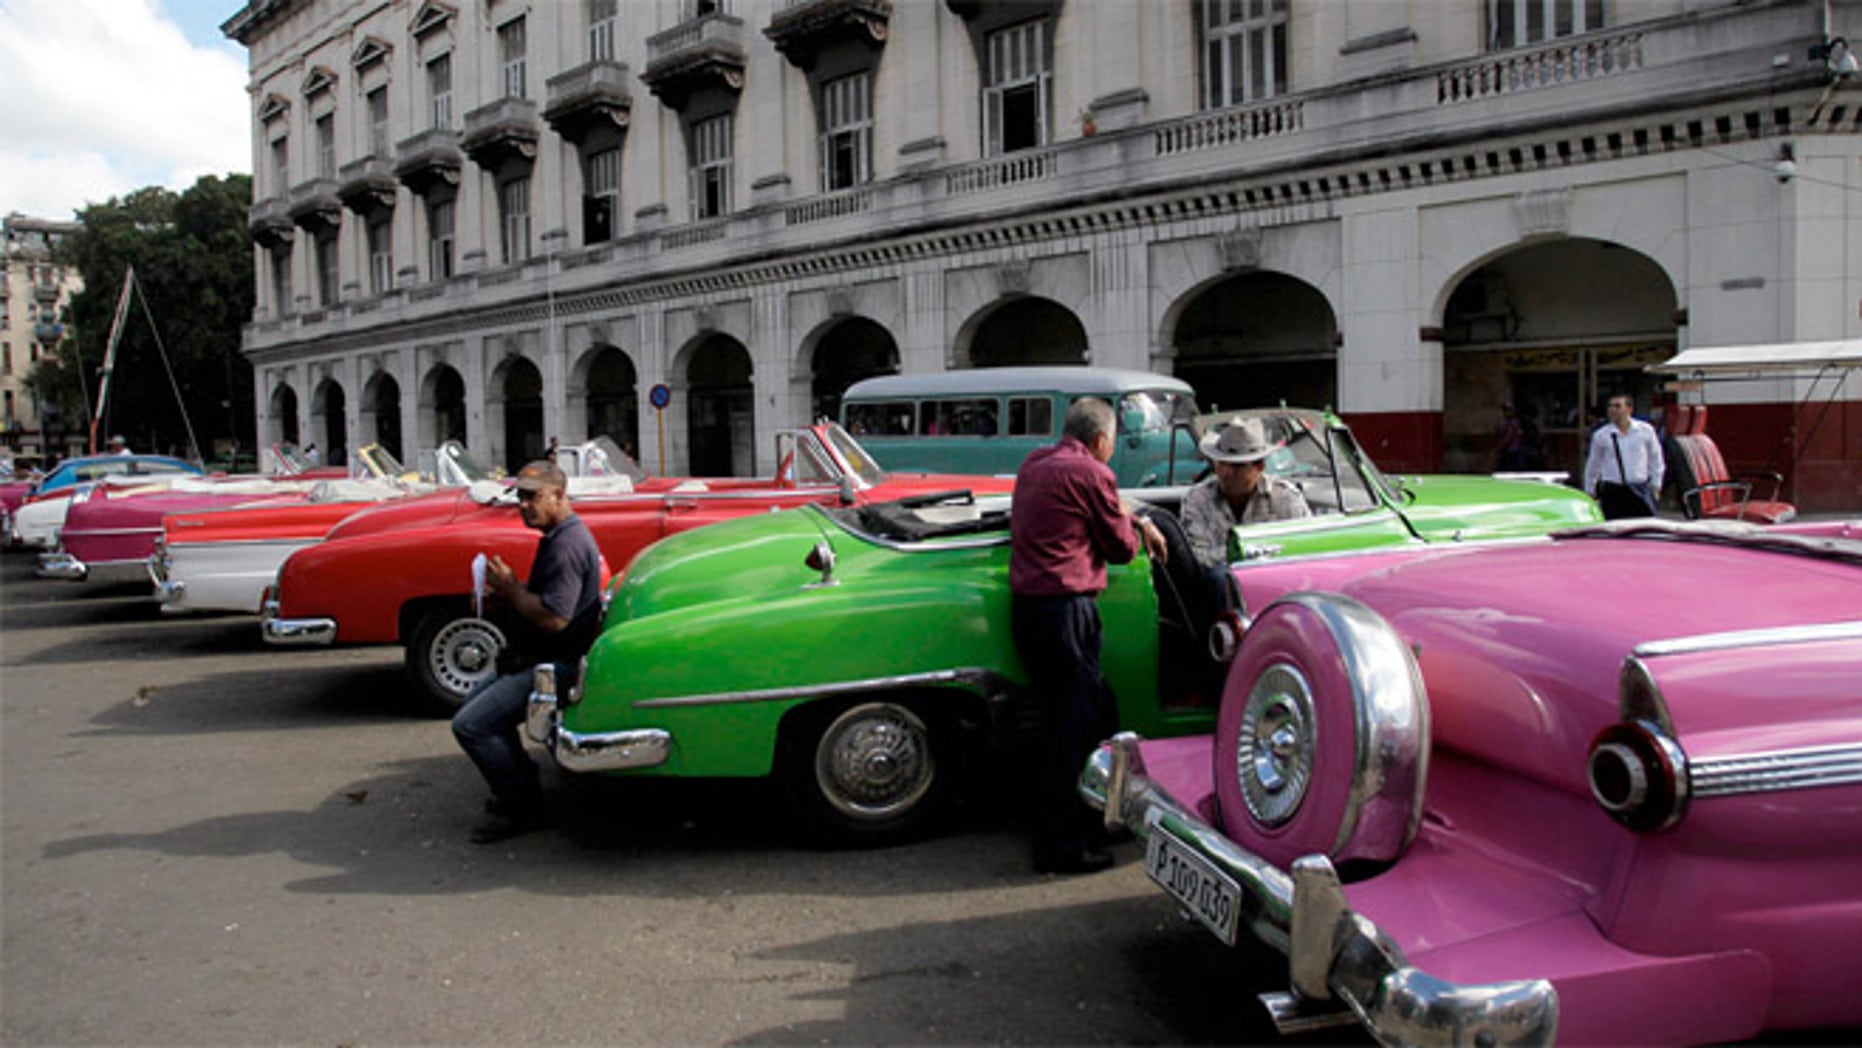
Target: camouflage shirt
point(1207, 517)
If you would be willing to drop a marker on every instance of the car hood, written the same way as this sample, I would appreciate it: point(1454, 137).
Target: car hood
point(1443, 507)
point(733, 558)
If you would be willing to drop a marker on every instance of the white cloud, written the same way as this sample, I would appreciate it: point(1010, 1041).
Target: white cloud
point(104, 97)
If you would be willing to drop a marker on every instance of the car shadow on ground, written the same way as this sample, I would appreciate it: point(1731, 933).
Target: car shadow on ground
point(1152, 978)
point(268, 700)
point(406, 829)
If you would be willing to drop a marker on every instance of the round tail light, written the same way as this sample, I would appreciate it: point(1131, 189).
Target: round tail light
point(1639, 775)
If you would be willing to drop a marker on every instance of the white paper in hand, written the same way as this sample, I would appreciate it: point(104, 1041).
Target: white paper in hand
point(478, 586)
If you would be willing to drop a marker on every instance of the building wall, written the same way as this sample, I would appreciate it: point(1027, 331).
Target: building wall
point(1403, 161)
point(34, 290)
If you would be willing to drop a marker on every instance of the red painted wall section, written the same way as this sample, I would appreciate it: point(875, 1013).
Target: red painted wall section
point(1399, 441)
point(1817, 446)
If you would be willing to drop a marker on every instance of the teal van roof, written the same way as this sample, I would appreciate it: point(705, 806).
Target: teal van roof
point(976, 381)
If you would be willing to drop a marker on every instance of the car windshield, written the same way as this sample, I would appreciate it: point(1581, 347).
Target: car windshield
point(377, 462)
point(1358, 475)
point(453, 466)
point(600, 457)
point(1155, 410)
point(853, 454)
point(1320, 457)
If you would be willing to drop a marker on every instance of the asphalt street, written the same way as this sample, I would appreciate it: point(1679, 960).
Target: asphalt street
point(207, 841)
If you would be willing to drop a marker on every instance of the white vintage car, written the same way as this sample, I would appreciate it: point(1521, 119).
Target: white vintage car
point(221, 560)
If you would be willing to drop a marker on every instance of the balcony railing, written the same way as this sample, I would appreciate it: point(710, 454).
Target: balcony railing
point(581, 98)
point(1226, 127)
point(687, 236)
point(707, 33)
point(685, 57)
point(1030, 166)
point(367, 184)
point(314, 204)
point(269, 222)
point(802, 29)
point(845, 202)
point(429, 159)
point(1566, 63)
point(504, 129)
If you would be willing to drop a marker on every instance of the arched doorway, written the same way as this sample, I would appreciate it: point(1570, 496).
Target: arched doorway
point(282, 421)
point(1553, 329)
point(1027, 331)
point(721, 422)
point(379, 417)
point(522, 409)
point(613, 399)
point(329, 410)
point(442, 407)
point(850, 350)
point(1257, 339)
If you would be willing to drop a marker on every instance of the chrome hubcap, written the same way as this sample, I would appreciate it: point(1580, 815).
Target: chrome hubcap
point(1274, 759)
point(464, 654)
point(874, 761)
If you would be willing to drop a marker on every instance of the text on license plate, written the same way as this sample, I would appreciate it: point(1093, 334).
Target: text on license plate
point(1208, 893)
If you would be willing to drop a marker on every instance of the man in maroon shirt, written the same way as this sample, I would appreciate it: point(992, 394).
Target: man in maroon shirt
point(1066, 524)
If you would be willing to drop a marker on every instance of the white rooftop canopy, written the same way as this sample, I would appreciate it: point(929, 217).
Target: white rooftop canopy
point(1774, 357)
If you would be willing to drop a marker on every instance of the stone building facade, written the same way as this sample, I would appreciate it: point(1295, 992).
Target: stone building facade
point(34, 290)
point(505, 220)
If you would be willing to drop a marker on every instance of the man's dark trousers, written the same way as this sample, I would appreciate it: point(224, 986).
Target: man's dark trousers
point(486, 727)
point(1058, 638)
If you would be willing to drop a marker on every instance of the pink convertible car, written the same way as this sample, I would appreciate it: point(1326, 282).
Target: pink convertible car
point(1605, 787)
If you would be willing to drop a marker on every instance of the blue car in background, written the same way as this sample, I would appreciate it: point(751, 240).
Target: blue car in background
point(37, 518)
point(100, 467)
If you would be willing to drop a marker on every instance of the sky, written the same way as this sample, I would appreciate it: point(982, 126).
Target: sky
point(99, 98)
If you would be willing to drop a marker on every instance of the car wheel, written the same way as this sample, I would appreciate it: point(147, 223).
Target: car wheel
point(871, 773)
point(451, 653)
point(1323, 734)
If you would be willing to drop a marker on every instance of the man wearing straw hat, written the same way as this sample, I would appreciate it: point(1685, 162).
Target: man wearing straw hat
point(1239, 492)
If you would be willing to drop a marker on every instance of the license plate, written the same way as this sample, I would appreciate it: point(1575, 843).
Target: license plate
point(1194, 881)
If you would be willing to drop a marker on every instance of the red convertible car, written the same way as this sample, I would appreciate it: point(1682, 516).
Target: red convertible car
point(401, 572)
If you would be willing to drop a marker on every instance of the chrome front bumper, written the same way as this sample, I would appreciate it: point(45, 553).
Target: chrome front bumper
point(294, 631)
point(1336, 957)
point(62, 565)
point(598, 751)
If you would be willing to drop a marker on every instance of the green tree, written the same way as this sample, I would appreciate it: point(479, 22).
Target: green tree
point(194, 276)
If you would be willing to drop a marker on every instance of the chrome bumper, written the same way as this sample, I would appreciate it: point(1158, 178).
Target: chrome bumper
point(599, 751)
point(62, 565)
point(294, 631)
point(1336, 957)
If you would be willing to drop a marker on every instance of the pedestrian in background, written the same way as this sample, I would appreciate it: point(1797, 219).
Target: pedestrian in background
point(1624, 469)
point(1066, 523)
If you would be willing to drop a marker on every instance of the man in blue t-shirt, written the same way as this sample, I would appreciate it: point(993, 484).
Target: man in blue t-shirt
point(558, 615)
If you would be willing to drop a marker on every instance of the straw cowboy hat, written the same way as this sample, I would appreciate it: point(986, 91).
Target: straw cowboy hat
point(1238, 440)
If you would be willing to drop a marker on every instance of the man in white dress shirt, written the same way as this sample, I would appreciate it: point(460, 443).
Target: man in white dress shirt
point(1624, 470)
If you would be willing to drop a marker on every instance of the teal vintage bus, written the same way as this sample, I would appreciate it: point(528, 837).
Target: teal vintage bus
point(986, 420)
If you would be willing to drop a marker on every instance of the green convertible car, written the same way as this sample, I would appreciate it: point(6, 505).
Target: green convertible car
point(862, 656)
